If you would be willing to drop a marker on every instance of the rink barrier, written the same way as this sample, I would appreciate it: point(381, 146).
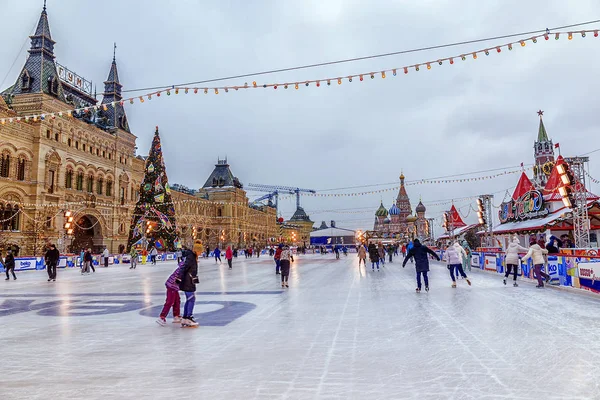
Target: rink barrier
point(581, 271)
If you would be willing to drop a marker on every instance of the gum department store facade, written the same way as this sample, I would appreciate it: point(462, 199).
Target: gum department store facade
point(86, 162)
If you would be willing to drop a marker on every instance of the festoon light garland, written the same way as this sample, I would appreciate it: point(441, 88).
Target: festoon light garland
point(296, 84)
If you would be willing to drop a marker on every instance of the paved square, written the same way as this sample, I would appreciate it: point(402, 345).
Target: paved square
point(338, 332)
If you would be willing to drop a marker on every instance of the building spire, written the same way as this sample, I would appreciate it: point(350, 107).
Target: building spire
point(112, 96)
point(542, 135)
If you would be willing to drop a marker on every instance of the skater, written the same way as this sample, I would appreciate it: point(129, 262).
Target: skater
point(173, 300)
point(144, 256)
point(554, 245)
point(105, 257)
point(217, 254)
point(88, 262)
point(9, 264)
point(454, 257)
point(187, 282)
point(134, 257)
point(467, 259)
point(381, 252)
point(373, 256)
point(52, 257)
point(390, 251)
point(403, 250)
point(345, 251)
point(512, 259)
point(362, 255)
point(153, 254)
point(229, 256)
point(277, 258)
point(336, 250)
point(420, 254)
point(81, 255)
point(536, 253)
point(285, 257)
point(409, 247)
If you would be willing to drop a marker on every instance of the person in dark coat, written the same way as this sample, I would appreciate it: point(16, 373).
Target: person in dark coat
point(187, 282)
point(420, 254)
point(9, 264)
point(52, 256)
point(373, 256)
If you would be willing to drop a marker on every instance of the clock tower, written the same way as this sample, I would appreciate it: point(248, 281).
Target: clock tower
point(543, 151)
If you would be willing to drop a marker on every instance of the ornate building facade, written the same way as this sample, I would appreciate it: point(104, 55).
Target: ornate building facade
point(219, 213)
point(398, 222)
point(55, 160)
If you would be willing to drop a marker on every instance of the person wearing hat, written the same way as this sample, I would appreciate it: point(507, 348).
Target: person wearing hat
point(420, 254)
point(9, 264)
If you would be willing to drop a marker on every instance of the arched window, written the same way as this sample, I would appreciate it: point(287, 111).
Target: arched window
point(90, 184)
point(69, 142)
point(56, 137)
point(10, 217)
point(109, 186)
point(5, 165)
point(69, 179)
point(79, 181)
point(109, 156)
point(77, 144)
point(53, 85)
point(25, 81)
point(21, 169)
point(48, 134)
point(99, 185)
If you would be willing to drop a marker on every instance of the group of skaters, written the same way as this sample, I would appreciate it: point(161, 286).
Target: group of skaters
point(538, 253)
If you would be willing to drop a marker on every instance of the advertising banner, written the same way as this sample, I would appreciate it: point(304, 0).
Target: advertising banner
point(489, 263)
point(475, 260)
point(24, 264)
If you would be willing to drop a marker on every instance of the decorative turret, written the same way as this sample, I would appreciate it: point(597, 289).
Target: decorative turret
point(543, 151)
point(381, 211)
point(39, 74)
point(394, 210)
point(403, 203)
point(114, 113)
point(420, 208)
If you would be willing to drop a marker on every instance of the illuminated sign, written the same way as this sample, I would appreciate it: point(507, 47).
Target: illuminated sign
point(530, 205)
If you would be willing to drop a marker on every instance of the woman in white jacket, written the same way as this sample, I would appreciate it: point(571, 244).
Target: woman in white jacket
point(512, 259)
point(454, 257)
point(536, 253)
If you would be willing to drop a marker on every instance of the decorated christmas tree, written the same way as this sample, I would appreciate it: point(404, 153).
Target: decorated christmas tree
point(153, 221)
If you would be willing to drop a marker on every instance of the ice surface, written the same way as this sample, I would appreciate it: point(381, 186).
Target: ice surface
point(338, 332)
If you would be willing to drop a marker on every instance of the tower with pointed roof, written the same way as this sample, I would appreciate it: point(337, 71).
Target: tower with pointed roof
point(543, 151)
point(403, 203)
point(39, 74)
point(112, 97)
point(380, 215)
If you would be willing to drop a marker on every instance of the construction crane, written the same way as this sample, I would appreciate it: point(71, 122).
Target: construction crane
point(280, 189)
point(270, 197)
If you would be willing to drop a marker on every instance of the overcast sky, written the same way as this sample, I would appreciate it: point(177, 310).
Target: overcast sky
point(474, 115)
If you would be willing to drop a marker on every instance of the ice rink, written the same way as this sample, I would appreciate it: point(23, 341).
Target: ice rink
point(338, 332)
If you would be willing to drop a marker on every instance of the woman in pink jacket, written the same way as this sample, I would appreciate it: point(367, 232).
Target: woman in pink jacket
point(229, 256)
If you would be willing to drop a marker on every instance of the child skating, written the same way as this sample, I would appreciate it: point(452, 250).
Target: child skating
point(454, 256)
point(420, 253)
point(173, 300)
point(187, 282)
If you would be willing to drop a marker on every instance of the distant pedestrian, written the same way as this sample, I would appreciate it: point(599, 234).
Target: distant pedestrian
point(153, 254)
point(52, 256)
point(286, 258)
point(420, 253)
point(229, 256)
point(381, 251)
point(105, 257)
point(217, 254)
point(88, 261)
point(373, 256)
point(390, 251)
point(362, 255)
point(134, 257)
point(336, 250)
point(277, 258)
point(9, 265)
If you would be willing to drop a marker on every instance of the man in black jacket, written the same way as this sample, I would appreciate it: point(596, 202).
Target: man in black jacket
point(420, 254)
point(9, 264)
point(52, 256)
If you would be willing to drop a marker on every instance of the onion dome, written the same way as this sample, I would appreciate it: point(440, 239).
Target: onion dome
point(420, 208)
point(387, 221)
point(394, 210)
point(381, 211)
point(411, 218)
